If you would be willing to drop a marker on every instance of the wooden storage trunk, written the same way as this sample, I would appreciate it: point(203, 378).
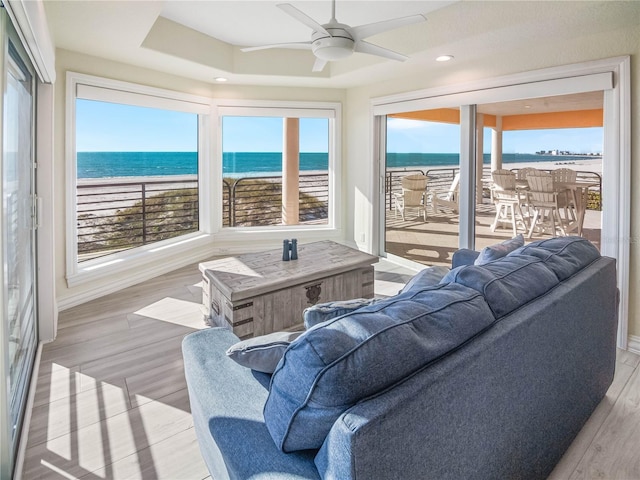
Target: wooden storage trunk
point(259, 293)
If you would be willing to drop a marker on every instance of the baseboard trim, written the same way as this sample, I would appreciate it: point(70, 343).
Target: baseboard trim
point(26, 423)
point(633, 345)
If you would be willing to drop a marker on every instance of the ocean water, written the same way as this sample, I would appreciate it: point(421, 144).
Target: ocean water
point(142, 164)
point(128, 164)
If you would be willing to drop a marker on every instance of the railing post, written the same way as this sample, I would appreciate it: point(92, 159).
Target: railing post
point(144, 213)
point(232, 203)
point(389, 187)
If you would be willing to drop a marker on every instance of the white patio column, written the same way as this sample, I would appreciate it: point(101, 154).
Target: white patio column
point(479, 155)
point(291, 172)
point(496, 145)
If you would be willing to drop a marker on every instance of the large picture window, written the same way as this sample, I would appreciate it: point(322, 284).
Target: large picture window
point(137, 176)
point(134, 159)
point(278, 167)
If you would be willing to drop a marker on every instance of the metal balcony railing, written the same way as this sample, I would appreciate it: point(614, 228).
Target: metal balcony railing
point(115, 216)
point(441, 179)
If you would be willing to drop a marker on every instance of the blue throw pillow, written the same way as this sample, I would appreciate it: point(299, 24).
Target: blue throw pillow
point(262, 353)
point(344, 360)
point(326, 311)
point(499, 250)
point(425, 278)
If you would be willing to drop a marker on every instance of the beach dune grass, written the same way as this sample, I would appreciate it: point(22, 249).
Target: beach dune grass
point(258, 202)
point(162, 216)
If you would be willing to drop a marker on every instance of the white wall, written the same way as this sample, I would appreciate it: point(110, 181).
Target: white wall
point(546, 52)
point(73, 61)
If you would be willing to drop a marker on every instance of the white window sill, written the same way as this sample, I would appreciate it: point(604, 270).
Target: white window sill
point(145, 259)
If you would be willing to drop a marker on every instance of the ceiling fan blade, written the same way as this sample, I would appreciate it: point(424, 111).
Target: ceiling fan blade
point(319, 65)
point(371, 49)
point(302, 17)
point(365, 31)
point(293, 45)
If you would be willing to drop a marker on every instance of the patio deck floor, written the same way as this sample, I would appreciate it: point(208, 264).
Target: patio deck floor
point(433, 242)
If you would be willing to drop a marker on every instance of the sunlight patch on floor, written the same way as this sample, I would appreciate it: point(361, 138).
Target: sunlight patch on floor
point(172, 310)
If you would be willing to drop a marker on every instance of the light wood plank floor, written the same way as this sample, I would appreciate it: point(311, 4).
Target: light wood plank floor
point(111, 400)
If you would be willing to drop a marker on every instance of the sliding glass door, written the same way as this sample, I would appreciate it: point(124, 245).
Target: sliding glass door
point(19, 335)
point(422, 180)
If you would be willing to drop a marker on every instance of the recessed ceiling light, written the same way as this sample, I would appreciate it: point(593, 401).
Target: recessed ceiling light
point(527, 106)
point(220, 79)
point(444, 58)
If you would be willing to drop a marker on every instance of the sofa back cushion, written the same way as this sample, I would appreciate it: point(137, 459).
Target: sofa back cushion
point(342, 361)
point(507, 283)
point(564, 256)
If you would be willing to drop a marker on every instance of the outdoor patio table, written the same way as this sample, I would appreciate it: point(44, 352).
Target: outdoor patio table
point(579, 194)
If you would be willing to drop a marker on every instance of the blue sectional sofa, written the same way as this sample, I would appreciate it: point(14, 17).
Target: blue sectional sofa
point(488, 374)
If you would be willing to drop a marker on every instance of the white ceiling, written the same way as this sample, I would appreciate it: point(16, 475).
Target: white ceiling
point(202, 39)
point(252, 23)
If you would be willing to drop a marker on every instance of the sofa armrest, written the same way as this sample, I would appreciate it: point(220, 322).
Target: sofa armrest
point(226, 403)
point(464, 256)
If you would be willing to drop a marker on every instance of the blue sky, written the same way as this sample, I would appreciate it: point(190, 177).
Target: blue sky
point(108, 127)
point(111, 127)
point(416, 136)
point(264, 134)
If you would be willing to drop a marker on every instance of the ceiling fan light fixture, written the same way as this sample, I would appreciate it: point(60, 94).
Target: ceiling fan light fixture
point(336, 41)
point(333, 48)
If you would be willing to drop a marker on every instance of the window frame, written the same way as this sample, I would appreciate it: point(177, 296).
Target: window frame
point(102, 89)
point(283, 109)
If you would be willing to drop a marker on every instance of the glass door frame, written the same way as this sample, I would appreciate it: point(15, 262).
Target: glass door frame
point(10, 440)
point(610, 75)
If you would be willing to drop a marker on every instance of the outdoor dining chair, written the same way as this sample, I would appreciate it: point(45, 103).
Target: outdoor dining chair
point(521, 173)
point(565, 199)
point(507, 199)
point(543, 199)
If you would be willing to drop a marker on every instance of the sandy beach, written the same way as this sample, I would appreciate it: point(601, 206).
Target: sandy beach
point(587, 165)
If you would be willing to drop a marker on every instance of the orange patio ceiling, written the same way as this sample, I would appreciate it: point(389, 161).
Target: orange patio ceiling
point(531, 121)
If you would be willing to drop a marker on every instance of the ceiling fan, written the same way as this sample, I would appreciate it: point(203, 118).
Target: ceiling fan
point(335, 41)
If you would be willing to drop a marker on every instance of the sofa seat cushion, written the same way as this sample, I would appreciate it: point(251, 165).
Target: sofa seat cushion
point(342, 361)
point(564, 256)
point(506, 283)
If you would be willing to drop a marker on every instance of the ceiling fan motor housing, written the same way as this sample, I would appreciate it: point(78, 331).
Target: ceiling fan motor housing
point(338, 46)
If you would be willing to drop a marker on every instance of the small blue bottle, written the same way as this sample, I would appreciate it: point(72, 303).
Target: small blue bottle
point(286, 246)
point(294, 249)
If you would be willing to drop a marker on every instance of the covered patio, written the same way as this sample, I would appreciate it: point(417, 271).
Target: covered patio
point(432, 242)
